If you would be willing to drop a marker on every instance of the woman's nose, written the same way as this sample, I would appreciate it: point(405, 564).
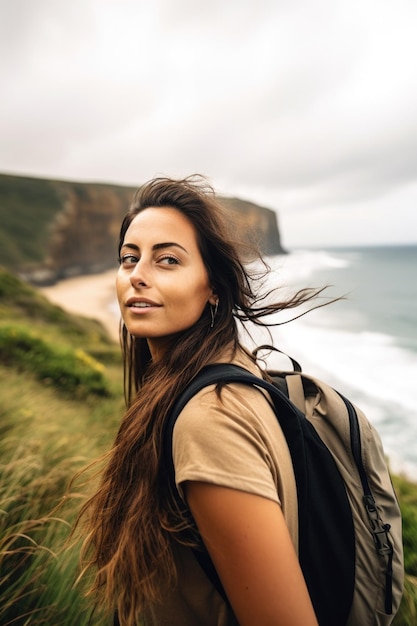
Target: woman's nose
point(138, 277)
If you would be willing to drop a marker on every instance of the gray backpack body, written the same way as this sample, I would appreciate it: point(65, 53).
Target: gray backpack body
point(358, 453)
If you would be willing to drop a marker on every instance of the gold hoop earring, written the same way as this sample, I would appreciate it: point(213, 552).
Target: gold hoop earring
point(213, 311)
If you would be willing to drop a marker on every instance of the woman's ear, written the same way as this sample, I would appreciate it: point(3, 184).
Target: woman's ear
point(214, 298)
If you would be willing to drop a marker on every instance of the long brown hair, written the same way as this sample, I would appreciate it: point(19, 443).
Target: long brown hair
point(132, 520)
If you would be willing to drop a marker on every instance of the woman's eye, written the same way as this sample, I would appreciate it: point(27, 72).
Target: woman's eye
point(169, 260)
point(128, 259)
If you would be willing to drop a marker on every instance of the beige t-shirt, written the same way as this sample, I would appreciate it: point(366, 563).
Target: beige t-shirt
point(234, 441)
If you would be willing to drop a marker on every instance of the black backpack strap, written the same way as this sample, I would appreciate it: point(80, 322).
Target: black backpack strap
point(268, 348)
point(213, 374)
point(380, 530)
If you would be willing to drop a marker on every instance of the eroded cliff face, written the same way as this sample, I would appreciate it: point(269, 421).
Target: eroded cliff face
point(256, 224)
point(74, 227)
point(84, 234)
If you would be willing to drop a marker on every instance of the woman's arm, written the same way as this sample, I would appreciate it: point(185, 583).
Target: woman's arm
point(249, 543)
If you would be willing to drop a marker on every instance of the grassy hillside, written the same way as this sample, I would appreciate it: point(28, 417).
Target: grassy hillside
point(61, 400)
point(27, 208)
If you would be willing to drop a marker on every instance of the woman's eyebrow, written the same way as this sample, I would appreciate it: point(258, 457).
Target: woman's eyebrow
point(132, 246)
point(168, 244)
point(157, 246)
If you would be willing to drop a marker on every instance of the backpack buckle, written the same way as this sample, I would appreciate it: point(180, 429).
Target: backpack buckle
point(379, 529)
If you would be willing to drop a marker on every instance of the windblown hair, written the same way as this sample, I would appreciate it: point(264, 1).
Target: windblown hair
point(132, 520)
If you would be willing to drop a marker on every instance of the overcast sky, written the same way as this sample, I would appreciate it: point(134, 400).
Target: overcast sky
point(308, 107)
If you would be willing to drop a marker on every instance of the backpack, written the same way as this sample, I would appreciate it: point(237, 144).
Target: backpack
point(350, 537)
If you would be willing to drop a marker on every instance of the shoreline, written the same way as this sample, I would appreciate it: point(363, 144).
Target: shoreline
point(92, 296)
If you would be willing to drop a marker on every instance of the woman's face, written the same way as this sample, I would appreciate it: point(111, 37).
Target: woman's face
point(162, 282)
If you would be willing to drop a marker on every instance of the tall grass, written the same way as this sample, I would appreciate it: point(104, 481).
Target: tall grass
point(61, 399)
point(407, 495)
point(38, 566)
point(36, 582)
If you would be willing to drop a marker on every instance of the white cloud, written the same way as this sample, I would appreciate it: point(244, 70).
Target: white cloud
point(304, 106)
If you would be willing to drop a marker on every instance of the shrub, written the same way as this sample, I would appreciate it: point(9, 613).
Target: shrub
point(70, 371)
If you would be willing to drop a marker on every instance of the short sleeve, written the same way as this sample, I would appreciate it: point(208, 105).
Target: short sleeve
point(226, 440)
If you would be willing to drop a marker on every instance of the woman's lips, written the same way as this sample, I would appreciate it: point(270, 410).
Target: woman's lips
point(141, 305)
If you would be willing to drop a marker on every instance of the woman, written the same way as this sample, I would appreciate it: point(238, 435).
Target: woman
point(182, 288)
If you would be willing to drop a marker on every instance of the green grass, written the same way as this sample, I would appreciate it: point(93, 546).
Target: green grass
point(46, 439)
point(407, 495)
point(62, 398)
point(36, 573)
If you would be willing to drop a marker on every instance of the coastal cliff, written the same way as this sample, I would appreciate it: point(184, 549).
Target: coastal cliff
point(52, 229)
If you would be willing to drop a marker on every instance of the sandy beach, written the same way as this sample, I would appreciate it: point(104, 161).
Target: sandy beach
point(92, 296)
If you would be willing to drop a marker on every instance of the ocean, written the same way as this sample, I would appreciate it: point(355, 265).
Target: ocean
point(364, 345)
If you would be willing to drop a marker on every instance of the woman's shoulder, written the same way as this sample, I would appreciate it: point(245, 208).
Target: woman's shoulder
point(235, 402)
